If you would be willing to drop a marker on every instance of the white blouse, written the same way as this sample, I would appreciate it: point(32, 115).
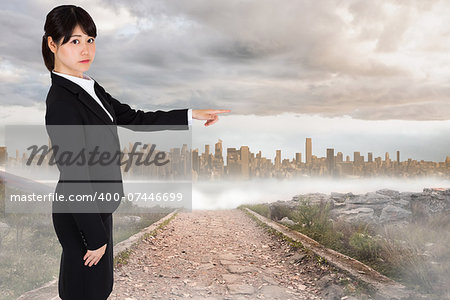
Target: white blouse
point(87, 83)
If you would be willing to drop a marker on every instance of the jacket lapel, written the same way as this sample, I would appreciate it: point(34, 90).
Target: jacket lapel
point(90, 102)
point(102, 98)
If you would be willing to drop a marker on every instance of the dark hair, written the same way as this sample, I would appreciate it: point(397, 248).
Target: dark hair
point(60, 23)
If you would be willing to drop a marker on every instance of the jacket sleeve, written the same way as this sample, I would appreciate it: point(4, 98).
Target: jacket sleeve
point(174, 119)
point(71, 139)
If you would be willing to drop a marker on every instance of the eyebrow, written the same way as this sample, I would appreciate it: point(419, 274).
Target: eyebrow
point(78, 35)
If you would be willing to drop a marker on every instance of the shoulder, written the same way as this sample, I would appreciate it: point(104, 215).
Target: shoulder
point(62, 107)
point(57, 92)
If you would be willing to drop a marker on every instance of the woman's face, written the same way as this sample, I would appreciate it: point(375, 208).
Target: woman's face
point(71, 57)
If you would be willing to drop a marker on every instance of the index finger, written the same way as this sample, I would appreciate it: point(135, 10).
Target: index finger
point(219, 111)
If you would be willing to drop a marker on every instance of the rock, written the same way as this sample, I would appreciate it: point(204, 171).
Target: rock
point(341, 197)
point(338, 204)
point(241, 289)
point(392, 213)
point(358, 215)
point(432, 201)
point(231, 278)
point(316, 198)
point(296, 258)
point(226, 262)
point(324, 282)
point(240, 269)
point(370, 199)
point(408, 195)
point(274, 292)
point(333, 292)
point(269, 279)
point(227, 256)
point(280, 209)
point(390, 193)
point(403, 203)
point(287, 221)
point(382, 206)
point(205, 266)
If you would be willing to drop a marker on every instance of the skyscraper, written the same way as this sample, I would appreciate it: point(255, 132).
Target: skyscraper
point(278, 160)
point(195, 161)
point(330, 160)
point(339, 157)
point(217, 165)
point(245, 161)
point(233, 166)
point(308, 150)
point(218, 150)
point(357, 158)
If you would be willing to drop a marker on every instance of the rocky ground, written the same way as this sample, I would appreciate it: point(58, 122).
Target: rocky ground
point(377, 208)
point(222, 254)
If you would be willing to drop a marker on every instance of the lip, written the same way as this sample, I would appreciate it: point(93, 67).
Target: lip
point(85, 61)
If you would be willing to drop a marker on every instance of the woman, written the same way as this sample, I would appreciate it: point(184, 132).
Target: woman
point(68, 49)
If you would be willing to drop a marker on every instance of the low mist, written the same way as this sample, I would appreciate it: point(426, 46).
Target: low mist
point(230, 194)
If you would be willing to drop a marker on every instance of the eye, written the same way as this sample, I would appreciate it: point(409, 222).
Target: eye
point(73, 41)
point(93, 40)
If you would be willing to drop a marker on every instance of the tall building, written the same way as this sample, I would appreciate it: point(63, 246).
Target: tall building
point(398, 156)
point(217, 164)
point(195, 161)
point(218, 150)
point(233, 166)
point(339, 157)
point(245, 162)
point(369, 157)
point(298, 158)
point(330, 160)
point(358, 159)
point(386, 156)
point(308, 150)
point(278, 160)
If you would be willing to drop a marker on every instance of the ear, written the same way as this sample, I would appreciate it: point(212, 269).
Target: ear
point(51, 44)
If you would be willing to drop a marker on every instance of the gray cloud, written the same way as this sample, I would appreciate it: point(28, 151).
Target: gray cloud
point(333, 58)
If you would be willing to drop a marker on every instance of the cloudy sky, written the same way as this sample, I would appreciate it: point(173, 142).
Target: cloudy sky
point(353, 75)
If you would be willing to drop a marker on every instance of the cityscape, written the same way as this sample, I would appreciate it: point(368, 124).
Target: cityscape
point(243, 164)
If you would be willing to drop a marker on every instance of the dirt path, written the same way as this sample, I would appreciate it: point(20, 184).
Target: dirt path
point(219, 254)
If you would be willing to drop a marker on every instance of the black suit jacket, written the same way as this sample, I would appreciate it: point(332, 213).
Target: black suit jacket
point(70, 105)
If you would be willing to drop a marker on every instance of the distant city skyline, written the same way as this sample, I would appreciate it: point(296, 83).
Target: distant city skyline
point(308, 153)
point(421, 140)
point(218, 162)
point(305, 156)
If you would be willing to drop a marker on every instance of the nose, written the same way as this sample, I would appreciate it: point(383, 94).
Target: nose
point(85, 49)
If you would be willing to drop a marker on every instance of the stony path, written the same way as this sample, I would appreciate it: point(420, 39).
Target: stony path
point(219, 254)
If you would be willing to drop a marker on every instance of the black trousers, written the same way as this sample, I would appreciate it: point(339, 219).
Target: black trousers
point(77, 281)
